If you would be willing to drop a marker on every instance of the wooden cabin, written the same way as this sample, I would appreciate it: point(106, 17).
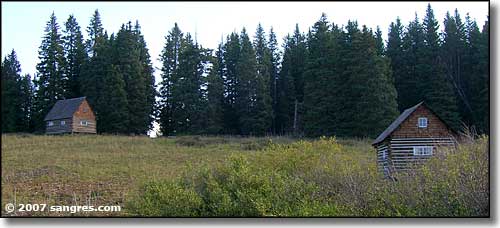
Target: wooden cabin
point(71, 116)
point(411, 139)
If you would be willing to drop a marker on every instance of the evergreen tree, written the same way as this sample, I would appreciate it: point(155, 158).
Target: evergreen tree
point(291, 83)
point(95, 31)
point(264, 82)
point(51, 83)
point(11, 75)
point(186, 91)
point(26, 94)
point(231, 56)
point(319, 75)
point(410, 79)
point(75, 54)
point(397, 58)
point(129, 65)
point(286, 91)
point(438, 92)
point(170, 60)
point(93, 70)
point(274, 68)
point(379, 42)
point(147, 72)
point(452, 55)
point(215, 94)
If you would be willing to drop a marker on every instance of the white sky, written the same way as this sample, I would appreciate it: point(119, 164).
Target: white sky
point(23, 22)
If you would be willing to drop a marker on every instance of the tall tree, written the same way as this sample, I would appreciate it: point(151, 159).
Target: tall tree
point(26, 94)
point(51, 83)
point(410, 79)
point(186, 89)
point(251, 101)
point(397, 58)
point(95, 31)
point(98, 49)
point(128, 62)
point(437, 91)
point(215, 94)
point(232, 51)
point(452, 55)
point(11, 74)
point(291, 83)
point(264, 83)
point(318, 77)
point(147, 72)
point(76, 56)
point(170, 60)
point(274, 68)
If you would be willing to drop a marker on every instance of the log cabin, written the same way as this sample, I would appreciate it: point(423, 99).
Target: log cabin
point(71, 116)
point(415, 136)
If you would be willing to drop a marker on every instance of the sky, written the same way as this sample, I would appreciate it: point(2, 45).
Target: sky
point(23, 22)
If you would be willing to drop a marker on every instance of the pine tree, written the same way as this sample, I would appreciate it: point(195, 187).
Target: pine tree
point(11, 75)
point(264, 83)
point(113, 113)
point(75, 54)
point(291, 83)
point(410, 79)
point(95, 31)
point(318, 79)
point(215, 94)
point(186, 89)
point(170, 60)
point(274, 68)
point(437, 91)
point(26, 94)
point(476, 75)
point(52, 81)
point(93, 70)
point(452, 55)
point(286, 96)
point(232, 52)
point(129, 65)
point(147, 72)
point(379, 42)
point(397, 58)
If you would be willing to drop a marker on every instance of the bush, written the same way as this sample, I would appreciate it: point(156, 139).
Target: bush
point(325, 178)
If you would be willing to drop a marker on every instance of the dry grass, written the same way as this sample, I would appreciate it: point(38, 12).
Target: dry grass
point(102, 170)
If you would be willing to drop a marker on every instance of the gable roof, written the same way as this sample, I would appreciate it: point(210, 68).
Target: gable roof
point(406, 113)
point(64, 108)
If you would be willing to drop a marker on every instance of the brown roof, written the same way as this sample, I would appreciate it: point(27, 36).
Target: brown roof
point(64, 108)
point(394, 125)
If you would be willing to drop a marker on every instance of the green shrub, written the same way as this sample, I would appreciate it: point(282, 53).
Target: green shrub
point(325, 178)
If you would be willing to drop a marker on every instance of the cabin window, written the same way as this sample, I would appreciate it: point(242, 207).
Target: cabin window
point(63, 122)
point(84, 123)
point(50, 123)
point(85, 109)
point(422, 122)
point(422, 150)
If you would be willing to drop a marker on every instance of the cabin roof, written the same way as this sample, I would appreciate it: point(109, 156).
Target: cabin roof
point(64, 108)
point(394, 125)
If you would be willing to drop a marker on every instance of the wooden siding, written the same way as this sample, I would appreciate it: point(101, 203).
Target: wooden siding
point(409, 128)
point(57, 128)
point(383, 164)
point(84, 113)
point(401, 150)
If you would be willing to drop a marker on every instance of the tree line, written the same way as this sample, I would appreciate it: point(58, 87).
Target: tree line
point(332, 80)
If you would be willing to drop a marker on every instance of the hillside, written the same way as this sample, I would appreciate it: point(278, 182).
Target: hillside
point(230, 176)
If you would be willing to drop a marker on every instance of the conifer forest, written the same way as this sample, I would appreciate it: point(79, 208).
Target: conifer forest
point(336, 79)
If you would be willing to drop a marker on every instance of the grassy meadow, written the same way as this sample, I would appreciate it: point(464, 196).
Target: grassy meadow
point(233, 176)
